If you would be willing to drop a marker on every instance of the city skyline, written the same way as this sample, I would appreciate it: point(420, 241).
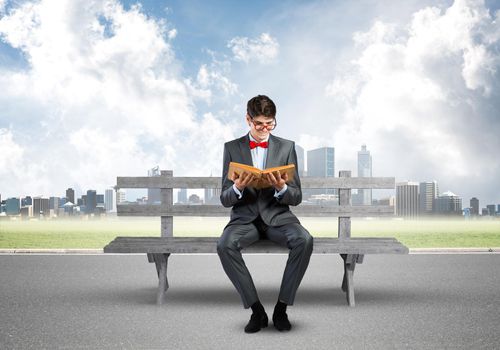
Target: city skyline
point(320, 161)
point(92, 91)
point(410, 200)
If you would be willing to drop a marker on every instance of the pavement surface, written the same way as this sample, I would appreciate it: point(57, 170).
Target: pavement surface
point(421, 301)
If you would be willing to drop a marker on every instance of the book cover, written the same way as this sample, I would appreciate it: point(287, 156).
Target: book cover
point(260, 180)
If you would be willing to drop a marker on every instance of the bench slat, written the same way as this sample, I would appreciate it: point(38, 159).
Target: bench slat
point(219, 210)
point(212, 240)
point(358, 245)
point(215, 182)
point(194, 240)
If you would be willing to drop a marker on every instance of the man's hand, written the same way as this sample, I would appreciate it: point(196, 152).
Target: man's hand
point(242, 181)
point(278, 181)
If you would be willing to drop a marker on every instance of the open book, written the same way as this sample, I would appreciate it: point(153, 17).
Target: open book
point(260, 180)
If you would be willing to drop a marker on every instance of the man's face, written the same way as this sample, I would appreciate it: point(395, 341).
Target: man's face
point(259, 126)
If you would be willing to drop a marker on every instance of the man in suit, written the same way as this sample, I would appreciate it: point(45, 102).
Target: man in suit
point(262, 214)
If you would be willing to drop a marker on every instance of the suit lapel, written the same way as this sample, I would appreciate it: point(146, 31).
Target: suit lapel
point(244, 145)
point(245, 150)
point(272, 152)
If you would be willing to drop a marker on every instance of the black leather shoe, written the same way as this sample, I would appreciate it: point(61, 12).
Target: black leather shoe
point(280, 321)
point(257, 321)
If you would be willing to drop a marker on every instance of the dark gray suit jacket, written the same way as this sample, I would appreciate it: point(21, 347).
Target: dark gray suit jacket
point(273, 211)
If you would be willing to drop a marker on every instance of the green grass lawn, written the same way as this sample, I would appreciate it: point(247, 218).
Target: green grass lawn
point(97, 233)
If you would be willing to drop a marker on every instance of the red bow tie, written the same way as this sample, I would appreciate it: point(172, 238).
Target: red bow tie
point(254, 144)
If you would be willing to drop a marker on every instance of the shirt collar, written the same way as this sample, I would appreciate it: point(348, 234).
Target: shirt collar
point(252, 139)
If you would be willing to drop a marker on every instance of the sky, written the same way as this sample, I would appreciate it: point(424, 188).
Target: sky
point(92, 90)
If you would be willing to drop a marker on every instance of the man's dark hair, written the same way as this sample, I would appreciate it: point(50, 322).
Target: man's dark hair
point(261, 105)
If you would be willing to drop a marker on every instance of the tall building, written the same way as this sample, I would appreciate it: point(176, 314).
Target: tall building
point(321, 163)
point(70, 195)
point(407, 199)
point(41, 207)
point(300, 160)
point(428, 192)
point(100, 199)
point(121, 195)
point(364, 170)
point(26, 201)
point(12, 206)
point(26, 211)
point(474, 206)
point(212, 195)
point(109, 203)
point(491, 209)
point(54, 202)
point(91, 202)
point(182, 196)
point(448, 203)
point(154, 194)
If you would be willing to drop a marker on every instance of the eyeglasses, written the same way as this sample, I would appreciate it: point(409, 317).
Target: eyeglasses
point(261, 126)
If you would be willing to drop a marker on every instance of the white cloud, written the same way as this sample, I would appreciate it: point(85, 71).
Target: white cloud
point(213, 81)
point(414, 95)
point(466, 30)
point(11, 155)
point(172, 34)
point(102, 97)
point(208, 77)
point(263, 49)
point(100, 153)
point(199, 151)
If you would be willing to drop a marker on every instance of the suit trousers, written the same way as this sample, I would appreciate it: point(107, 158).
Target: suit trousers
point(239, 236)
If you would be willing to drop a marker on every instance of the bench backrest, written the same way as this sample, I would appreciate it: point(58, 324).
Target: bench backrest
point(166, 182)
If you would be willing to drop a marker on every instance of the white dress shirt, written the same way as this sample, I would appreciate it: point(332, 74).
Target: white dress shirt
point(259, 155)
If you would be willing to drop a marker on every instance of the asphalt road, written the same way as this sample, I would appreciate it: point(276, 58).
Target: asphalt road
point(448, 301)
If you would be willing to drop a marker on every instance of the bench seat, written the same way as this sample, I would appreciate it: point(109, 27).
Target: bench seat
point(156, 245)
point(158, 249)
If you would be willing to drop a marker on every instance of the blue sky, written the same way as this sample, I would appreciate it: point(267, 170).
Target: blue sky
point(91, 91)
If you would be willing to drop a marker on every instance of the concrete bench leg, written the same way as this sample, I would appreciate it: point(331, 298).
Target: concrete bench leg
point(161, 261)
point(348, 280)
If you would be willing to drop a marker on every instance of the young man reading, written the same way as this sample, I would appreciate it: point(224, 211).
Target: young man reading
point(263, 213)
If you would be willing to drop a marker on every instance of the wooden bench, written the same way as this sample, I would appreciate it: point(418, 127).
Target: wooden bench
point(158, 249)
